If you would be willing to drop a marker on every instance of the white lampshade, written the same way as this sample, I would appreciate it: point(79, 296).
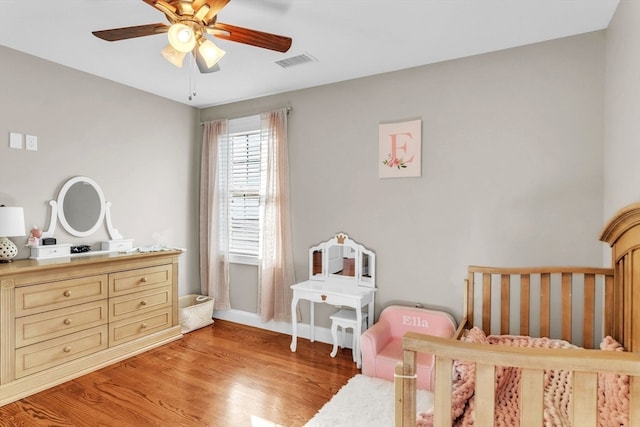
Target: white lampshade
point(182, 37)
point(11, 222)
point(208, 52)
point(173, 56)
point(11, 225)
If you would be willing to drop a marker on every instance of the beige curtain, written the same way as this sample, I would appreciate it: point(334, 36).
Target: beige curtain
point(276, 266)
point(214, 242)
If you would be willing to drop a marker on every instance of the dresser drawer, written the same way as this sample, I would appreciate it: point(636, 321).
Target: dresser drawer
point(140, 279)
point(139, 302)
point(50, 296)
point(56, 323)
point(44, 355)
point(138, 326)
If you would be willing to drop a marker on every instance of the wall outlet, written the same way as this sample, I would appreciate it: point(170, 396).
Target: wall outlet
point(32, 142)
point(15, 140)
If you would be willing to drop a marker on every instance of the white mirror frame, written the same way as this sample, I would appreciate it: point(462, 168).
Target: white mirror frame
point(360, 278)
point(57, 212)
point(61, 214)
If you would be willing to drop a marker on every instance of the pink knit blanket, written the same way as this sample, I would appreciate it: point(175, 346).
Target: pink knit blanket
point(613, 389)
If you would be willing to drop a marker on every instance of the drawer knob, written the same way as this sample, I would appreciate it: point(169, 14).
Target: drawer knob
point(67, 349)
point(67, 293)
point(143, 326)
point(143, 280)
point(143, 302)
point(324, 297)
point(67, 321)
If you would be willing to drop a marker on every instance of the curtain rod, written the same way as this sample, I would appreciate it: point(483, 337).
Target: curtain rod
point(289, 108)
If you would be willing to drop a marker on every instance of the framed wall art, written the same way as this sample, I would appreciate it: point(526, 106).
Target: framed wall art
point(399, 149)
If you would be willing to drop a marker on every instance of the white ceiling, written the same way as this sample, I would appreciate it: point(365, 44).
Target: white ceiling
point(349, 38)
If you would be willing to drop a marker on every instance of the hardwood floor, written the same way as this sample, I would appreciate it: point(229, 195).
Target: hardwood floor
point(223, 375)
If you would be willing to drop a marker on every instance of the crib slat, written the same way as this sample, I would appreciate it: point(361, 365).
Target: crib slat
point(398, 387)
point(585, 406)
point(409, 387)
point(442, 394)
point(588, 310)
point(485, 395)
point(469, 299)
point(525, 295)
point(505, 298)
point(531, 394)
point(609, 300)
point(486, 303)
point(566, 306)
point(467, 311)
point(634, 402)
point(544, 304)
point(624, 297)
point(632, 298)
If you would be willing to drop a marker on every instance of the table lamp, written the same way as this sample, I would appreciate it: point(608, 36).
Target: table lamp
point(11, 225)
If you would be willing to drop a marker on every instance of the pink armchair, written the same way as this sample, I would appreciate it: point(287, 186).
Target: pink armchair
point(381, 344)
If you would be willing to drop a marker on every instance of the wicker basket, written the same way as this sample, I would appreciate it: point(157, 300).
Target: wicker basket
point(195, 312)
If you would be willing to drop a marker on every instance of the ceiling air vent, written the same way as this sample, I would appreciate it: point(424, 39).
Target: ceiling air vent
point(296, 60)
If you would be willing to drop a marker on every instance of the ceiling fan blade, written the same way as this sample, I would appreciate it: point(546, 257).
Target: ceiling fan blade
point(215, 6)
point(164, 7)
point(116, 34)
point(250, 37)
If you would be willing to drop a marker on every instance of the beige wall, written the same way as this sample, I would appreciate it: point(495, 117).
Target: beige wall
point(141, 149)
point(622, 124)
point(512, 170)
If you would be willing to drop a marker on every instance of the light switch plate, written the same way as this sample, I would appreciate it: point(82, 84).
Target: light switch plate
point(31, 142)
point(15, 140)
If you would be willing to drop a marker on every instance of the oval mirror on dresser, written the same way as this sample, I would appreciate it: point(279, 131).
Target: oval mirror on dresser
point(81, 206)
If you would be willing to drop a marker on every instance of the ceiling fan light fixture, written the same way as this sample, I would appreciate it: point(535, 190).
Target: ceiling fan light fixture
point(182, 37)
point(189, 23)
point(172, 55)
point(209, 52)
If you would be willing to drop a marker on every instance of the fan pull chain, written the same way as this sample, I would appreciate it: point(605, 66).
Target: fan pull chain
point(192, 80)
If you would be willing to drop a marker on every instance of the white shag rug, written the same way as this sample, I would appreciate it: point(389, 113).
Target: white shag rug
point(364, 402)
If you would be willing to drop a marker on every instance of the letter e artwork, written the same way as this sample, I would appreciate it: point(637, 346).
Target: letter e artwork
point(399, 149)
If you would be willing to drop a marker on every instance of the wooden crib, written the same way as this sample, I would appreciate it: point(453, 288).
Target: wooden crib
point(580, 305)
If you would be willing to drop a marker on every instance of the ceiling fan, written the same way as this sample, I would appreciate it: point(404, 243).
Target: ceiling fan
point(189, 21)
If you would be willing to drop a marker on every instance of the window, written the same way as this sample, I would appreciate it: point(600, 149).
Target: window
point(249, 177)
point(246, 166)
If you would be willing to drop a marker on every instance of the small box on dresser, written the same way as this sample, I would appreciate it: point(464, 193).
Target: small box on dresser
point(117, 245)
point(50, 251)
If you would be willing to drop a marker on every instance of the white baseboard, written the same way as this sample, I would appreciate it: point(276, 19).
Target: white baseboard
point(252, 319)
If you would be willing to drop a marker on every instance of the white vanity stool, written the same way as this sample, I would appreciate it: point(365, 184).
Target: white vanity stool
point(345, 319)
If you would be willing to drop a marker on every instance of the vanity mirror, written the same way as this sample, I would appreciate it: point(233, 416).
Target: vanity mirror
point(81, 210)
point(81, 206)
point(341, 258)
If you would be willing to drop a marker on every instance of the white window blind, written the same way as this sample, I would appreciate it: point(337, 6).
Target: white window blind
point(247, 164)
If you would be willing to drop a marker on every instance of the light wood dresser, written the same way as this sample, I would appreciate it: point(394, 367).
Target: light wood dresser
point(63, 318)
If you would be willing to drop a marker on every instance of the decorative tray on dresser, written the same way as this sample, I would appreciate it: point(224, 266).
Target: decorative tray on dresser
point(65, 317)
